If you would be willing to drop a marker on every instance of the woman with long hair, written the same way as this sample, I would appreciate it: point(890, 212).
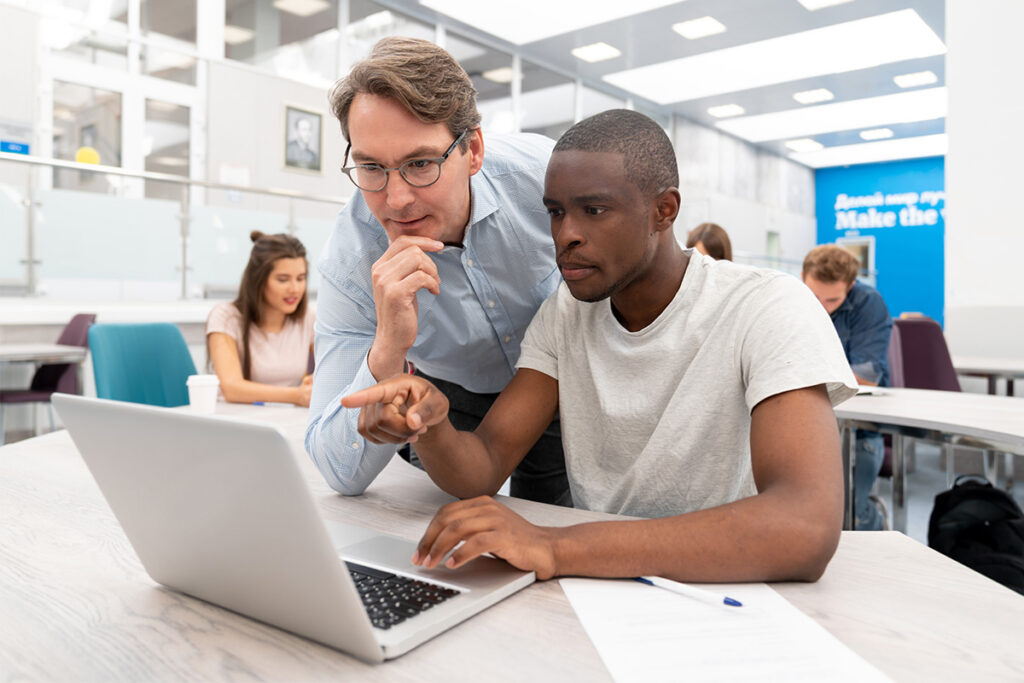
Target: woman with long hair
point(712, 240)
point(260, 344)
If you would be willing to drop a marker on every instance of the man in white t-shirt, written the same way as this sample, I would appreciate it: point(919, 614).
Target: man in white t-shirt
point(695, 393)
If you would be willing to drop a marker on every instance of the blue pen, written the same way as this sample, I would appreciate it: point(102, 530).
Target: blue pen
point(689, 591)
point(273, 404)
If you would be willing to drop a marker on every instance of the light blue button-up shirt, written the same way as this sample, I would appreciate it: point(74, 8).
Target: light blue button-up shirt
point(469, 334)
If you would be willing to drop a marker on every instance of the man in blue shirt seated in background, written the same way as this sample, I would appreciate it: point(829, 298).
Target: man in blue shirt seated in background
point(694, 393)
point(439, 261)
point(864, 327)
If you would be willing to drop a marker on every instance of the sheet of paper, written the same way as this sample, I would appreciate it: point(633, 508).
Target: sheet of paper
point(645, 633)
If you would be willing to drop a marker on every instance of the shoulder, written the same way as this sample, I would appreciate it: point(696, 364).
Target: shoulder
point(865, 298)
point(515, 154)
point(224, 317)
point(357, 240)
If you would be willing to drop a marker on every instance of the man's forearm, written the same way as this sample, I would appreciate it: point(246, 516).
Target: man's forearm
point(384, 361)
point(459, 462)
point(762, 538)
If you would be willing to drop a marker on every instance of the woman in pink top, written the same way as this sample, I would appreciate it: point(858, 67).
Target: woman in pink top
point(260, 344)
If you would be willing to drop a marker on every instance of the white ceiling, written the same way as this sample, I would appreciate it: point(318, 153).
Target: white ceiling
point(769, 50)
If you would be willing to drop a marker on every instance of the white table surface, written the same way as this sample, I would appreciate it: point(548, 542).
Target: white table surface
point(983, 416)
point(41, 353)
point(75, 604)
point(982, 365)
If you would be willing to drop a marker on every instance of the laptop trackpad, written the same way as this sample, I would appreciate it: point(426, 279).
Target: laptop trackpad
point(395, 554)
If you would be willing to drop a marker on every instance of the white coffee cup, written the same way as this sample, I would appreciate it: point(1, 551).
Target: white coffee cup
point(202, 392)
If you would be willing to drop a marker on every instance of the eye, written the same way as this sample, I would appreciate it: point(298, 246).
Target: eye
point(594, 210)
point(555, 212)
point(420, 163)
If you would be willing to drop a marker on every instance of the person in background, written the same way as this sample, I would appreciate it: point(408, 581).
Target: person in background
point(438, 262)
point(711, 240)
point(260, 344)
point(862, 321)
point(692, 393)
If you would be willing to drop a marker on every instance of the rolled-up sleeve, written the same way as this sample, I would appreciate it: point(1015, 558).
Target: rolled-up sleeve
point(345, 329)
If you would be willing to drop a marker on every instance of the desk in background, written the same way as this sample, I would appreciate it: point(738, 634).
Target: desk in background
point(991, 369)
point(948, 417)
point(40, 354)
point(75, 604)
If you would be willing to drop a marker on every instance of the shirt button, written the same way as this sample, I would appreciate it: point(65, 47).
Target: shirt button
point(490, 304)
point(355, 444)
point(469, 263)
point(508, 338)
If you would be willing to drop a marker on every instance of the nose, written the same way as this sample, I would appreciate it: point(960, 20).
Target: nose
point(566, 234)
point(398, 193)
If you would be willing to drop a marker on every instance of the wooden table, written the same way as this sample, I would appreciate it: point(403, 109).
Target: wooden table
point(75, 604)
point(948, 417)
point(992, 369)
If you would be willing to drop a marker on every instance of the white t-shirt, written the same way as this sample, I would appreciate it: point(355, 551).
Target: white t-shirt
point(280, 358)
point(656, 422)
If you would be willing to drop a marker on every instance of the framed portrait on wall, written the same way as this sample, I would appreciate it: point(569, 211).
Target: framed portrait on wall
point(303, 139)
point(863, 247)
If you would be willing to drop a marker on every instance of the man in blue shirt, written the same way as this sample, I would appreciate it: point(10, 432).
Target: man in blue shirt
point(862, 321)
point(438, 263)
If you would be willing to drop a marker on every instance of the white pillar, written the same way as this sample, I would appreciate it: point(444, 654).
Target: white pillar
point(984, 176)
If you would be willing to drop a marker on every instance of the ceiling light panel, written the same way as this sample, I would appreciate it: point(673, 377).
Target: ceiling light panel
point(302, 8)
point(503, 74)
point(699, 28)
point(814, 96)
point(805, 145)
point(813, 5)
point(839, 48)
point(870, 112)
point(872, 152)
point(524, 25)
point(876, 134)
point(915, 79)
point(724, 110)
point(596, 52)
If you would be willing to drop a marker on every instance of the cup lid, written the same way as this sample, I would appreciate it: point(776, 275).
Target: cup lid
point(202, 380)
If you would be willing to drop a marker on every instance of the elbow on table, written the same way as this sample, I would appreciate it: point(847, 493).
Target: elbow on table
point(813, 550)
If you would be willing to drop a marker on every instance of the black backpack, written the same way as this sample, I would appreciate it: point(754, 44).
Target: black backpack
point(980, 526)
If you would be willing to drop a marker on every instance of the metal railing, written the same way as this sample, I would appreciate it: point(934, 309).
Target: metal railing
point(31, 262)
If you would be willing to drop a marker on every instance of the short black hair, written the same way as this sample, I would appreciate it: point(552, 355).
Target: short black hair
point(650, 161)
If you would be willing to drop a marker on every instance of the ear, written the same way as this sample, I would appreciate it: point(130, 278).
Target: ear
point(476, 151)
point(666, 208)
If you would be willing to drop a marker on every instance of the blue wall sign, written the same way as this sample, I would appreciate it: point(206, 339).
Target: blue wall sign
point(902, 205)
point(14, 147)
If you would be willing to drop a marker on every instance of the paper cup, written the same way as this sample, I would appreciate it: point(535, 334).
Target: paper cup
point(202, 392)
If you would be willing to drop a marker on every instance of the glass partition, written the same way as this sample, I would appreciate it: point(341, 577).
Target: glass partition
point(171, 18)
point(166, 146)
point(547, 101)
point(86, 128)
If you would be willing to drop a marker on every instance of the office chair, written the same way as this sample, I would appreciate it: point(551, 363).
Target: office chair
point(52, 377)
point(926, 364)
point(141, 363)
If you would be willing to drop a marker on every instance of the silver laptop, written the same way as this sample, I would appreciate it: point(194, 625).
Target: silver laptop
point(217, 508)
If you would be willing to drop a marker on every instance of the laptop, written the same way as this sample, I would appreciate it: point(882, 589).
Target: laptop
point(217, 508)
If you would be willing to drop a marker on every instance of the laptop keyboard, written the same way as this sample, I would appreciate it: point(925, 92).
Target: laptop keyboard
point(390, 599)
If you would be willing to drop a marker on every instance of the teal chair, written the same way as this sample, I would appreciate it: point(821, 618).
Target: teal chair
point(141, 363)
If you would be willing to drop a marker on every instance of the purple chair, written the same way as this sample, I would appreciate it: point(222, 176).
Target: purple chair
point(51, 378)
point(926, 364)
point(925, 357)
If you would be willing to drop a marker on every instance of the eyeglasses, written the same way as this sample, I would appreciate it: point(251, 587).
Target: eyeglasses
point(416, 172)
